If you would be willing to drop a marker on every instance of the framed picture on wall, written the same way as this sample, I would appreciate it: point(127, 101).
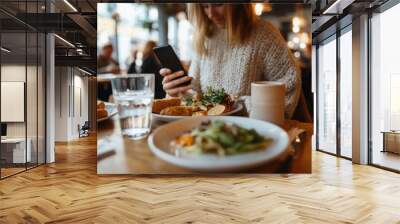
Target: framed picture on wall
point(12, 101)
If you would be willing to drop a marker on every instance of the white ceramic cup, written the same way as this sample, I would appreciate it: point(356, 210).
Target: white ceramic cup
point(268, 101)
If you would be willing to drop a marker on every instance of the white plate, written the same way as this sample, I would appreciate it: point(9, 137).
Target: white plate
point(166, 118)
point(111, 110)
point(159, 143)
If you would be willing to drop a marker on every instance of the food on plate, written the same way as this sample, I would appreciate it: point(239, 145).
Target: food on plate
point(101, 110)
point(160, 104)
point(217, 110)
point(177, 111)
point(212, 102)
point(200, 113)
point(101, 113)
point(100, 105)
point(209, 98)
point(214, 97)
point(221, 138)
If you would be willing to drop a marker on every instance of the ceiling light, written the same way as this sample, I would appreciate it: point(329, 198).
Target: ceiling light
point(296, 29)
point(86, 72)
point(296, 21)
point(70, 5)
point(258, 9)
point(5, 50)
point(65, 41)
point(338, 6)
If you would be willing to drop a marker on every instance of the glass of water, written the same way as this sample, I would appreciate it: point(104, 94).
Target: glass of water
point(133, 95)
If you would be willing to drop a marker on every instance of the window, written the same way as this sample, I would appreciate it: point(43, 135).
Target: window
point(335, 74)
point(346, 93)
point(385, 88)
point(326, 98)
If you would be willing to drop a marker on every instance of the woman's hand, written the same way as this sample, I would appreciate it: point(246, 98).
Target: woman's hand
point(172, 81)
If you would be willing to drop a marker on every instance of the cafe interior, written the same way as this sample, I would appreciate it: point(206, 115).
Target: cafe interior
point(327, 82)
point(346, 50)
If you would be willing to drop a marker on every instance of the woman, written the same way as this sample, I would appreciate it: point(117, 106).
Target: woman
point(234, 48)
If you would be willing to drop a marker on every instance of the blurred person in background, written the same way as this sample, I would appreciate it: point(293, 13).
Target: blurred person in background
point(234, 48)
point(132, 66)
point(106, 64)
point(150, 65)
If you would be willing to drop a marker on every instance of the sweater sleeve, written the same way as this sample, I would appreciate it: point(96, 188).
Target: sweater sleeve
point(194, 72)
point(280, 66)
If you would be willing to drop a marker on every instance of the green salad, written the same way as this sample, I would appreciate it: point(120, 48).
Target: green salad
point(210, 97)
point(218, 137)
point(214, 96)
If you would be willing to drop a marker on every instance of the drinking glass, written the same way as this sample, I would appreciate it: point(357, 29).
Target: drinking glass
point(133, 95)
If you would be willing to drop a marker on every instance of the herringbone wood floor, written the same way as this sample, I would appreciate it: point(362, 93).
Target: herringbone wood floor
point(69, 191)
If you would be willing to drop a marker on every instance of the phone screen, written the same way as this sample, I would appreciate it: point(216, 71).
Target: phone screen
point(168, 59)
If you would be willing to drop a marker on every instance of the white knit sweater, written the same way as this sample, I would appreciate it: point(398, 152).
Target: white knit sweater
point(264, 57)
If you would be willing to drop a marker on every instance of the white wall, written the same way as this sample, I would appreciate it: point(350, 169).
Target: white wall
point(80, 110)
point(71, 102)
point(61, 104)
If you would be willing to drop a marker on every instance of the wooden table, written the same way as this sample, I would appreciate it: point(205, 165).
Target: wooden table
point(391, 141)
point(119, 155)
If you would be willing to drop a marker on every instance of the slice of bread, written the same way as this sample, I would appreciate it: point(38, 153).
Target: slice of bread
point(200, 113)
point(101, 113)
point(177, 111)
point(216, 110)
point(160, 104)
point(100, 105)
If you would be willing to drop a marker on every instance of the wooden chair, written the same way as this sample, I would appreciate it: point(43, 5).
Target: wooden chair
point(84, 130)
point(301, 113)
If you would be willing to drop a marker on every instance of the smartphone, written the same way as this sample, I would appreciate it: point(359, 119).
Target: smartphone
point(168, 59)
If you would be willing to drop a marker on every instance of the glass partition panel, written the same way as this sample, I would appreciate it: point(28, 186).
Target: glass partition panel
point(14, 151)
point(32, 98)
point(41, 85)
point(22, 87)
point(32, 85)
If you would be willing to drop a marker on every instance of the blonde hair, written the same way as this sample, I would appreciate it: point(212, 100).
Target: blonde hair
point(239, 20)
point(148, 48)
